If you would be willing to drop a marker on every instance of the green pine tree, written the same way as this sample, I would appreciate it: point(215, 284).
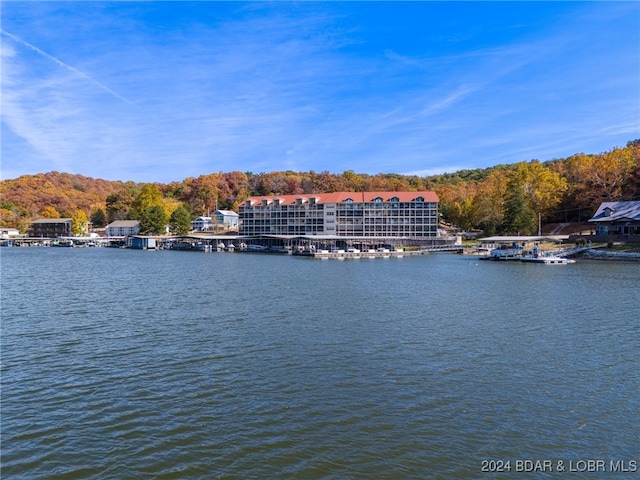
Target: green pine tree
point(519, 218)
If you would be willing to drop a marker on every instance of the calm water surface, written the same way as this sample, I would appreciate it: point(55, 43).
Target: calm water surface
point(139, 364)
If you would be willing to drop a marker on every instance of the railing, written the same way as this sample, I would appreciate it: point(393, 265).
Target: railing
point(441, 248)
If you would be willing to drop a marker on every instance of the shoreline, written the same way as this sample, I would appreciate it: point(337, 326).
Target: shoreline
point(607, 255)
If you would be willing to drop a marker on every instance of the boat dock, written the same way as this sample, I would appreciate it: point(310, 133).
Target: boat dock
point(343, 254)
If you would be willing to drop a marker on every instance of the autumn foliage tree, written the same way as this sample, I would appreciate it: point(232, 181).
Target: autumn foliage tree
point(119, 204)
point(49, 212)
point(592, 179)
point(490, 199)
point(79, 223)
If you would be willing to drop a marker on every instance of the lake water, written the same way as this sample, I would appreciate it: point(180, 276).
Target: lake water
point(131, 364)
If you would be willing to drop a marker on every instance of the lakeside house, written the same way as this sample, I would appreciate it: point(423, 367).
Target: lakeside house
point(122, 228)
point(226, 218)
point(6, 233)
point(51, 228)
point(617, 218)
point(202, 224)
point(223, 218)
point(342, 214)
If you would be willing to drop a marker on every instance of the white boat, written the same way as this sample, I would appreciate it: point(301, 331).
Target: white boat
point(256, 248)
point(548, 259)
point(506, 252)
point(62, 243)
point(200, 246)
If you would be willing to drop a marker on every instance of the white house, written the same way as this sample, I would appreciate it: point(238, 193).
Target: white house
point(9, 233)
point(202, 224)
point(122, 228)
point(222, 218)
point(227, 218)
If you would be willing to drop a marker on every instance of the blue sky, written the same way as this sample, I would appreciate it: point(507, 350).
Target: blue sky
point(162, 91)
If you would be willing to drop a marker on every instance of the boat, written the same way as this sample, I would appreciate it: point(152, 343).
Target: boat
point(548, 259)
point(189, 246)
point(506, 252)
point(256, 248)
point(201, 247)
point(62, 243)
point(277, 249)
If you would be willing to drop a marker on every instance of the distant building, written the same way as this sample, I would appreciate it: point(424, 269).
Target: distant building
point(9, 233)
point(122, 228)
point(226, 218)
point(50, 228)
point(202, 224)
point(617, 218)
point(221, 218)
point(360, 214)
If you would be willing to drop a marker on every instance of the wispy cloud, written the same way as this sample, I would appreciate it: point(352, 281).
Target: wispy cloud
point(68, 67)
point(161, 91)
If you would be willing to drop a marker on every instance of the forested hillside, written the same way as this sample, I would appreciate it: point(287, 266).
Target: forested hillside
point(500, 199)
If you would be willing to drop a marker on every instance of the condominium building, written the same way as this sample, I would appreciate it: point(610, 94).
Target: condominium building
point(51, 227)
point(359, 214)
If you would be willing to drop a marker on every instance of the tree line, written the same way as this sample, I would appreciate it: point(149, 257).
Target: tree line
point(505, 199)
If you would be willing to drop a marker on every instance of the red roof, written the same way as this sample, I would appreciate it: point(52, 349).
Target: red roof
point(357, 197)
